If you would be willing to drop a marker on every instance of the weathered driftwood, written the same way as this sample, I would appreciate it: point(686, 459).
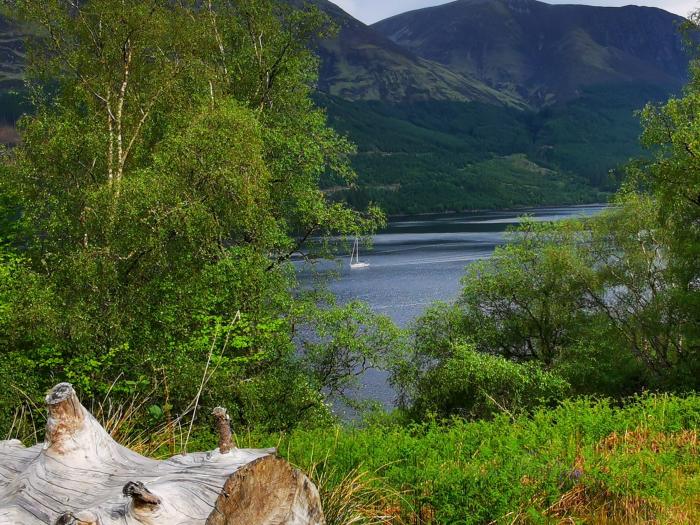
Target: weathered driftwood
point(81, 476)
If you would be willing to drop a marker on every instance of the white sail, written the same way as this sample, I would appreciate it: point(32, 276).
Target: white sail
point(355, 263)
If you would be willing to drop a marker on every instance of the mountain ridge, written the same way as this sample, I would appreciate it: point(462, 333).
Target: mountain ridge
point(362, 64)
point(542, 52)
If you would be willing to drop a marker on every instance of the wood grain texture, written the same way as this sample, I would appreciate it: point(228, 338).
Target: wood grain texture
point(268, 491)
point(80, 475)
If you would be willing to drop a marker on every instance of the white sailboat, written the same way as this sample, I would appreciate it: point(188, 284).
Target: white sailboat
point(355, 263)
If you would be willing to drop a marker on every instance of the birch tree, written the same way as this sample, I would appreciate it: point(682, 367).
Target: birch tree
point(168, 173)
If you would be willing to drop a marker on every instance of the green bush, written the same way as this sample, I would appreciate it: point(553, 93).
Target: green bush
point(588, 299)
point(474, 385)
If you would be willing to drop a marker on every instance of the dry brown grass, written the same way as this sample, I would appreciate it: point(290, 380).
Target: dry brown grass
point(9, 135)
point(638, 440)
point(167, 438)
point(582, 504)
point(360, 497)
point(597, 505)
point(590, 501)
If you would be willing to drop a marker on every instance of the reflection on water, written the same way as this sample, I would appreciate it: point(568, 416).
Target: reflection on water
point(419, 260)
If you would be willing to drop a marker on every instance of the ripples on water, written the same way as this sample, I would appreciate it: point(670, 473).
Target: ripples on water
point(419, 260)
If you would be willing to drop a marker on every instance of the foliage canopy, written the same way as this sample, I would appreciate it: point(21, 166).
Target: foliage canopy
point(169, 171)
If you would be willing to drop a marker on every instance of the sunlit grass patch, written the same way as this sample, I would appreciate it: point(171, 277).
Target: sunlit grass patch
point(635, 477)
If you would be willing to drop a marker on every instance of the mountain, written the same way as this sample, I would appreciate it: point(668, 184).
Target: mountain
point(361, 64)
point(579, 73)
point(477, 103)
point(545, 53)
point(358, 64)
point(498, 52)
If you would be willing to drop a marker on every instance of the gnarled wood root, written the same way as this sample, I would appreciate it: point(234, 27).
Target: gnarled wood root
point(81, 476)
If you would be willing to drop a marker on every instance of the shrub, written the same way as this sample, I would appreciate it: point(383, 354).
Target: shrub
point(474, 385)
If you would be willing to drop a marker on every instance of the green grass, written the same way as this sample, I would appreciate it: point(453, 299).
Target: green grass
point(587, 462)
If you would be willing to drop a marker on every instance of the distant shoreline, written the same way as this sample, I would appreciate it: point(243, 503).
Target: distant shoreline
point(495, 210)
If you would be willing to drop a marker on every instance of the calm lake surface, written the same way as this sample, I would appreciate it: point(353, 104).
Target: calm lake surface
point(416, 261)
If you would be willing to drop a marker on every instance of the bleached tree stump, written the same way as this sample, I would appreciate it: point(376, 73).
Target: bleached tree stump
point(81, 476)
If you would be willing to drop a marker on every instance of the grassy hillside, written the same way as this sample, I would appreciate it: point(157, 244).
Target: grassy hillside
point(447, 156)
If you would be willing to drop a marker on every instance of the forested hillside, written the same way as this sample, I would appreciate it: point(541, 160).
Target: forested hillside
point(477, 104)
point(445, 156)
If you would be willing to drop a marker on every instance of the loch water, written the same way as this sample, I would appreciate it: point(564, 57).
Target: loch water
point(418, 260)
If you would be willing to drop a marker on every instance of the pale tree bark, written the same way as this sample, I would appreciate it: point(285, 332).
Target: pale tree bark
point(81, 476)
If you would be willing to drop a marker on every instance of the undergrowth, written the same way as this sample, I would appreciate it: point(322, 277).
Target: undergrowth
point(586, 461)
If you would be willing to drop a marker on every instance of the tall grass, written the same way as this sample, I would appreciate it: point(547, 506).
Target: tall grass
point(584, 462)
point(355, 497)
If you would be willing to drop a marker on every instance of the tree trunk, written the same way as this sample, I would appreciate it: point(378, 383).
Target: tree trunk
point(81, 476)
